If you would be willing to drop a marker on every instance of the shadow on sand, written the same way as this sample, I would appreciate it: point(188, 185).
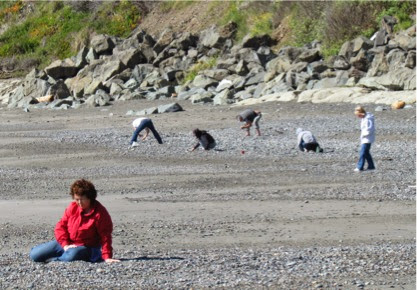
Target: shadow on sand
point(146, 258)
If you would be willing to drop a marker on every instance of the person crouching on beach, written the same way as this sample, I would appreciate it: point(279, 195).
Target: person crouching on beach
point(84, 232)
point(250, 117)
point(143, 124)
point(307, 142)
point(367, 138)
point(206, 141)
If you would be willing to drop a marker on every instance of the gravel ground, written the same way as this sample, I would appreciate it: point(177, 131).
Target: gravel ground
point(273, 217)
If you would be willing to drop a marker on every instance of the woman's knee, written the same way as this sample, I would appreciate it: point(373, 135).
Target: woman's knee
point(75, 254)
point(44, 251)
point(35, 255)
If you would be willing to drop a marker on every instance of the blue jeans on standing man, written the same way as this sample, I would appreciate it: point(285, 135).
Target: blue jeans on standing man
point(365, 155)
point(147, 123)
point(52, 251)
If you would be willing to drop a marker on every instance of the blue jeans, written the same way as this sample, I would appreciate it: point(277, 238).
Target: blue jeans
point(365, 155)
point(147, 123)
point(53, 250)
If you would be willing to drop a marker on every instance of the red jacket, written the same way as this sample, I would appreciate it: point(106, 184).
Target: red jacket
point(91, 230)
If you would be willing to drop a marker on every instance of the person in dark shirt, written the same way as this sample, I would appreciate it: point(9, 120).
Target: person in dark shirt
point(250, 117)
point(206, 141)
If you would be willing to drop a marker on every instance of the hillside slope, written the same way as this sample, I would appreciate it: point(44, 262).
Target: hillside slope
point(33, 34)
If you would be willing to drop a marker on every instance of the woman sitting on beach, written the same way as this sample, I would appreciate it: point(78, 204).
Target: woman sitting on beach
point(204, 139)
point(83, 233)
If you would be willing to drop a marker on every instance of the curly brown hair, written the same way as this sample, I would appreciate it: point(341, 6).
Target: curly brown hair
point(85, 188)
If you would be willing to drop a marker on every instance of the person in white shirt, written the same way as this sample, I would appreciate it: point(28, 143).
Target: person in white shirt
point(143, 124)
point(367, 138)
point(307, 142)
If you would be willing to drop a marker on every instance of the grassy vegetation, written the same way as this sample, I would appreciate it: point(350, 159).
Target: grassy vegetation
point(55, 30)
point(175, 5)
point(46, 30)
point(195, 69)
point(255, 19)
point(333, 23)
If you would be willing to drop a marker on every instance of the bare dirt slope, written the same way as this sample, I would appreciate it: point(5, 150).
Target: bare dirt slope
point(192, 18)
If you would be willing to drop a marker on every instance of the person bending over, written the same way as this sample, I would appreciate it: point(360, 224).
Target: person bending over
point(307, 142)
point(250, 117)
point(143, 124)
point(206, 141)
point(83, 233)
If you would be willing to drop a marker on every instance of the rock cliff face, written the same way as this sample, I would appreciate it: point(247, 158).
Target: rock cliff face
point(142, 66)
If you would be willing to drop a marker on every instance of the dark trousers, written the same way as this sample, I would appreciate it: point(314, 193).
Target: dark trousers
point(147, 123)
point(308, 146)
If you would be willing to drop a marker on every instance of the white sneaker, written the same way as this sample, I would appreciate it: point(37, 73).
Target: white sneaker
point(357, 170)
point(134, 144)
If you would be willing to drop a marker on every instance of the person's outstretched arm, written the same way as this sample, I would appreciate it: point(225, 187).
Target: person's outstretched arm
point(146, 134)
point(247, 125)
point(194, 147)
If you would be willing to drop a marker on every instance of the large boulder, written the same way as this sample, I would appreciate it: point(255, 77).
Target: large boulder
point(404, 41)
point(290, 52)
point(62, 69)
point(399, 79)
point(410, 61)
point(101, 98)
point(142, 70)
point(108, 69)
point(360, 61)
point(378, 66)
point(130, 57)
point(166, 37)
point(361, 43)
point(255, 42)
point(77, 85)
point(185, 41)
point(274, 97)
point(203, 81)
point(102, 44)
point(170, 108)
point(309, 55)
point(223, 98)
point(279, 64)
point(203, 97)
point(340, 63)
point(81, 58)
point(92, 87)
point(216, 74)
point(396, 59)
point(211, 38)
point(59, 90)
point(395, 80)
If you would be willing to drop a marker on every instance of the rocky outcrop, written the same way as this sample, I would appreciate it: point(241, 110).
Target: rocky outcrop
point(140, 66)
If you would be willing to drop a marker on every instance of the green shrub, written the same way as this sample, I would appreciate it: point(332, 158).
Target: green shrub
point(401, 10)
point(233, 14)
point(117, 19)
point(199, 66)
point(55, 30)
point(262, 24)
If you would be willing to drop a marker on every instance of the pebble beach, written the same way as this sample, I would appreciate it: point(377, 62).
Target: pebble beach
point(254, 213)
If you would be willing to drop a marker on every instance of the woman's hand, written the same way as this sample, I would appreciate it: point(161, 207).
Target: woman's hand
point(111, 261)
point(68, 247)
